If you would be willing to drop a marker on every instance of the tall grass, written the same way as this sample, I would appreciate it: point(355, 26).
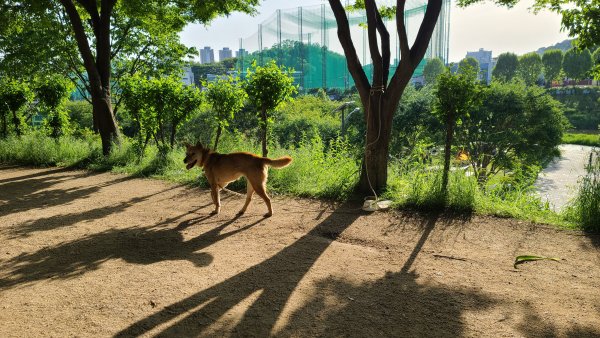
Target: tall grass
point(319, 170)
point(585, 209)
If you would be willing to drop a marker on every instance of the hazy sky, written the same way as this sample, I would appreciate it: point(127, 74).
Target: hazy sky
point(483, 25)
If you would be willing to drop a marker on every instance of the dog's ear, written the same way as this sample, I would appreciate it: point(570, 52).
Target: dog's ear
point(187, 145)
point(198, 144)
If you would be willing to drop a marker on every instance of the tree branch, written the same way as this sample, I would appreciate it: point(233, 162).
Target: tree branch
point(385, 47)
point(419, 48)
point(371, 9)
point(404, 48)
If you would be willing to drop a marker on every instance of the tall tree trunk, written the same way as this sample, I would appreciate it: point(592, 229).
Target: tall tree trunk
point(263, 113)
point(217, 138)
point(98, 68)
point(16, 122)
point(382, 96)
point(447, 153)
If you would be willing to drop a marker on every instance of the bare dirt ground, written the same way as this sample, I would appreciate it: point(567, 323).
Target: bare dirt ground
point(99, 255)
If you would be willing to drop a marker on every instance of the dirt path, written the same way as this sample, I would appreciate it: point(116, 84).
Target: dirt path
point(100, 255)
point(558, 182)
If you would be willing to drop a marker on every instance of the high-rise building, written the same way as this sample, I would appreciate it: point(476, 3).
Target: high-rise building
point(188, 76)
point(241, 53)
point(484, 57)
point(207, 55)
point(225, 53)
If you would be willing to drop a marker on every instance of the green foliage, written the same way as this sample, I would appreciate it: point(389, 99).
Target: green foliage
point(226, 97)
point(159, 106)
point(585, 209)
point(530, 68)
point(577, 63)
point(581, 105)
point(414, 123)
point(267, 87)
point(596, 59)
point(53, 91)
point(305, 118)
point(80, 114)
point(552, 61)
point(433, 68)
point(14, 95)
point(506, 67)
point(470, 66)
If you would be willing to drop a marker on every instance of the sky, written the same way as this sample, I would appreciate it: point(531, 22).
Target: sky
point(482, 25)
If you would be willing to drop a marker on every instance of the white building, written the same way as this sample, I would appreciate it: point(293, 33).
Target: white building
point(484, 57)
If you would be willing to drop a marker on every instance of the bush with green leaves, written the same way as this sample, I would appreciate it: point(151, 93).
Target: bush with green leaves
point(267, 87)
point(227, 97)
point(158, 107)
point(53, 92)
point(14, 95)
point(306, 117)
point(514, 125)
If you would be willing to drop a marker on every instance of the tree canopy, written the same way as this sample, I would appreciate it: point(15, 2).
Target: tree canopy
point(577, 63)
point(530, 68)
point(433, 68)
point(506, 67)
point(552, 61)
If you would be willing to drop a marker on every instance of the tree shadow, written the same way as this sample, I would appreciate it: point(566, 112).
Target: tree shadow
point(137, 245)
point(33, 191)
point(396, 305)
point(274, 278)
point(66, 220)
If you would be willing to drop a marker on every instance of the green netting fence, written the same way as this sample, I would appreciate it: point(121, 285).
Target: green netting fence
point(305, 39)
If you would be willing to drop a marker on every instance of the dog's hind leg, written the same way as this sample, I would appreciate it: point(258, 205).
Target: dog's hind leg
point(249, 193)
point(262, 192)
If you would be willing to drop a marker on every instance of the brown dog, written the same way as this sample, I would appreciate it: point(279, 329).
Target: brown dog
point(221, 169)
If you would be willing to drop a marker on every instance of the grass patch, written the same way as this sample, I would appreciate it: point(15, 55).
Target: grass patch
point(585, 208)
point(583, 139)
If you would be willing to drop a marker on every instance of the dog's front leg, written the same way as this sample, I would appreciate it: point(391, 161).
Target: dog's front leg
point(214, 193)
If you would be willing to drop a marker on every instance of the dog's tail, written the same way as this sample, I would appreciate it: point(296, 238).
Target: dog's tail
point(279, 162)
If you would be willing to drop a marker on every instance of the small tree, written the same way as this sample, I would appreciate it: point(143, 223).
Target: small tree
point(158, 107)
point(469, 66)
point(13, 97)
point(577, 63)
point(506, 67)
point(456, 94)
point(53, 92)
point(267, 87)
point(552, 61)
point(433, 68)
point(530, 68)
point(226, 97)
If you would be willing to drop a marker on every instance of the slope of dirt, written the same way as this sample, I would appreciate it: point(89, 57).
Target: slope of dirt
point(88, 254)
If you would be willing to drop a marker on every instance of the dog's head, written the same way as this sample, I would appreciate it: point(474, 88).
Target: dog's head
point(194, 155)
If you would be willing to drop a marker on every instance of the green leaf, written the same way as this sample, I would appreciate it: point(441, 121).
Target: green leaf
point(529, 258)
